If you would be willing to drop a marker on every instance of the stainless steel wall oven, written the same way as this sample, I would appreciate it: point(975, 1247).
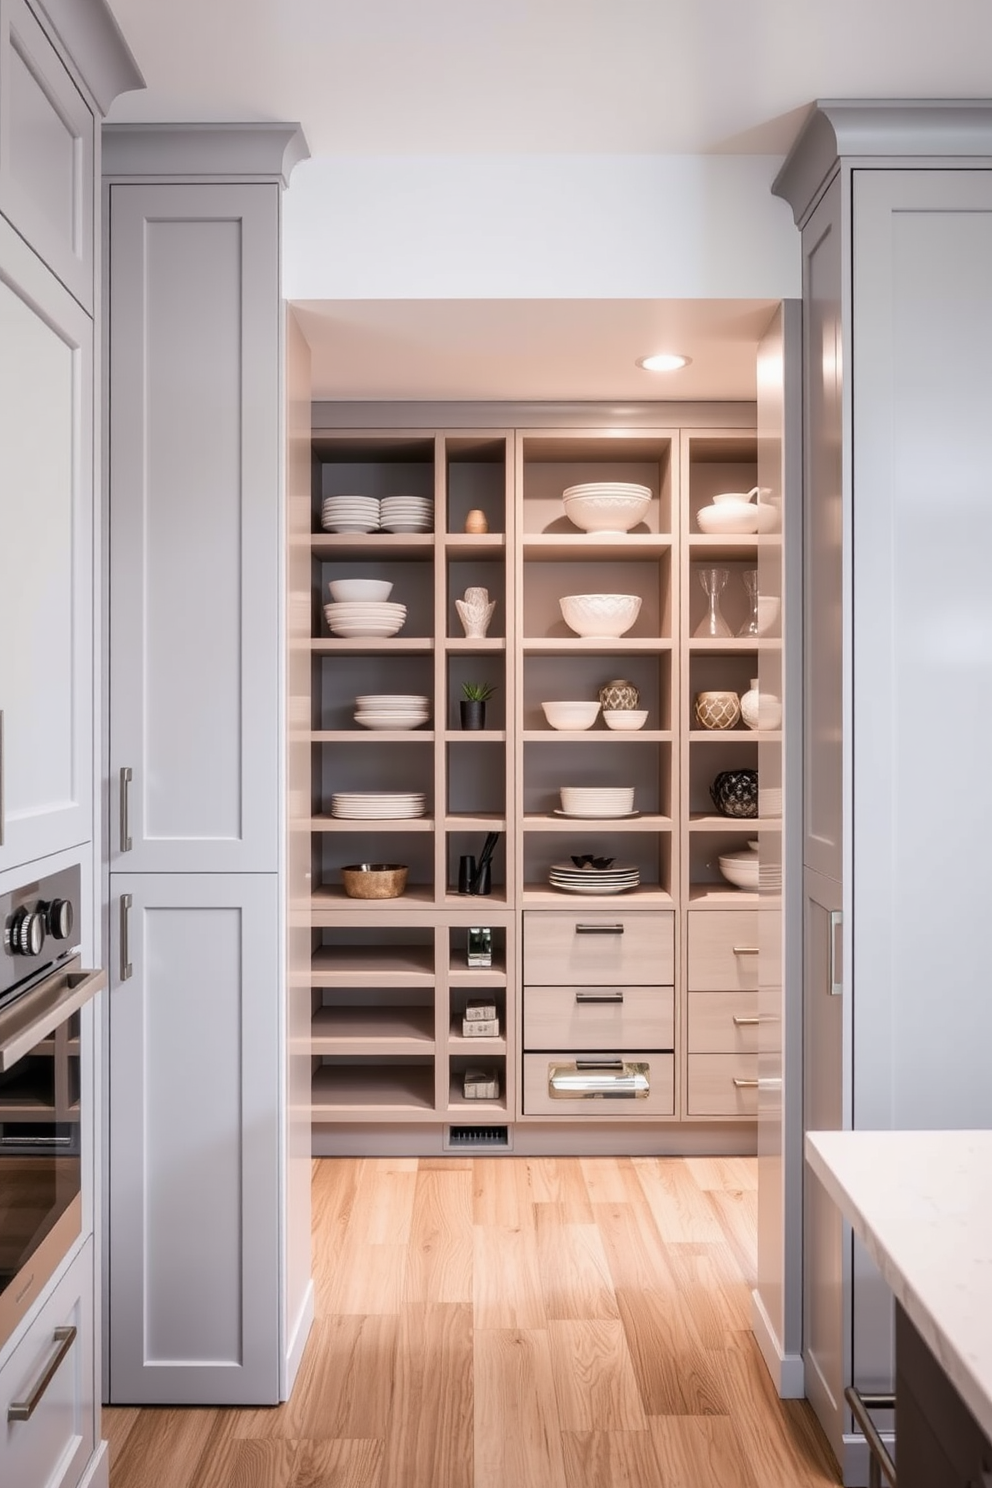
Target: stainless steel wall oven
point(42, 989)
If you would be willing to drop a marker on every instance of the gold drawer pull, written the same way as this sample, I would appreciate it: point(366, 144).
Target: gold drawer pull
point(745, 1084)
point(23, 1410)
point(745, 1022)
point(602, 995)
point(745, 950)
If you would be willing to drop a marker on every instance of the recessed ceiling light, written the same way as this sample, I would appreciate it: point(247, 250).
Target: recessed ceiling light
point(663, 361)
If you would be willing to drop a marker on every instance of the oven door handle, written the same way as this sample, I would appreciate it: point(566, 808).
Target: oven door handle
point(39, 1012)
point(22, 1410)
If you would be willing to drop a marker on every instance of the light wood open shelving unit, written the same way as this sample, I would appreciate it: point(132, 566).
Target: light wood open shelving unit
point(389, 979)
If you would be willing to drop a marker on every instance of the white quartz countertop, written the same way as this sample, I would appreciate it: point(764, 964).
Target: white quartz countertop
point(921, 1203)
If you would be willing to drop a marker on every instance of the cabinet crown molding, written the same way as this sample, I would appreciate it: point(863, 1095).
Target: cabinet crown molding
point(880, 131)
point(95, 42)
point(229, 152)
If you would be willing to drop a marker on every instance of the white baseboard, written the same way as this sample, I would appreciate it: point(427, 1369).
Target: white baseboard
point(786, 1370)
point(297, 1342)
point(97, 1473)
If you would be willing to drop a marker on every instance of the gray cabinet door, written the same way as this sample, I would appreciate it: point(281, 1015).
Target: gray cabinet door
point(46, 561)
point(195, 468)
point(194, 1145)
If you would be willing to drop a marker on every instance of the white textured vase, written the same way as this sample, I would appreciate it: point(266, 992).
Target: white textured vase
point(760, 710)
point(475, 611)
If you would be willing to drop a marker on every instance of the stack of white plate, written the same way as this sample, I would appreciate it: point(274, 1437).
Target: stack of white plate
point(364, 617)
point(380, 710)
point(590, 880)
point(406, 514)
point(611, 801)
point(350, 514)
point(377, 805)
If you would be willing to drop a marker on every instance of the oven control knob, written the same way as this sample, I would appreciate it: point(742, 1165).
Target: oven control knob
point(60, 918)
point(27, 932)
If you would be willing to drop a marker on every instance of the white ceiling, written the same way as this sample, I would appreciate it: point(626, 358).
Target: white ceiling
point(461, 77)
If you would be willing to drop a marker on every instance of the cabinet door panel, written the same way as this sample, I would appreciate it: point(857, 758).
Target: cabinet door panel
point(194, 1121)
point(46, 492)
point(195, 524)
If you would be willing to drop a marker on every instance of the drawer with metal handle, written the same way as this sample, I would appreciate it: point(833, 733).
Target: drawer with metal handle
point(599, 949)
point(723, 1022)
point(603, 1086)
point(722, 1085)
point(723, 950)
point(607, 1017)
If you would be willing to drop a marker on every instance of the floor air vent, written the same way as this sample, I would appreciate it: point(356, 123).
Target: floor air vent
point(478, 1138)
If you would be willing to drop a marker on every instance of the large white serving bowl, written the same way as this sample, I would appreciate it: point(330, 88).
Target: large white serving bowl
point(606, 508)
point(348, 589)
point(571, 715)
point(728, 517)
point(600, 617)
point(740, 868)
point(625, 720)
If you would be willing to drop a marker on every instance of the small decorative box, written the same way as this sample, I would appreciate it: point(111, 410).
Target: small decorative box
point(481, 1084)
point(483, 1012)
point(480, 1027)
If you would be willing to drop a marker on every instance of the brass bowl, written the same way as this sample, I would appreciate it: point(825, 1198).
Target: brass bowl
point(374, 880)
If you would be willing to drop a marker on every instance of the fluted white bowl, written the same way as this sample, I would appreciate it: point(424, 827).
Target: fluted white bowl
point(728, 517)
point(600, 616)
point(606, 511)
point(571, 715)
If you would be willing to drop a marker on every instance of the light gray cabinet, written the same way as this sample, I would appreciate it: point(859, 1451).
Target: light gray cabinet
point(895, 205)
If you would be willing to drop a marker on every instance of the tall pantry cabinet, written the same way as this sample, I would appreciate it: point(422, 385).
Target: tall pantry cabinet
point(895, 205)
point(199, 1150)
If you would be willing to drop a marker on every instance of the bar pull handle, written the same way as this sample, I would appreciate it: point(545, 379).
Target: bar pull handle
point(3, 760)
point(126, 968)
point(23, 1410)
point(745, 1022)
point(745, 950)
point(880, 1460)
point(836, 953)
point(126, 778)
point(599, 996)
point(598, 929)
point(745, 1084)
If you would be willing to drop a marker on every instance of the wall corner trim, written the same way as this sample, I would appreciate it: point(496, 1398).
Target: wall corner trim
point(879, 130)
point(229, 152)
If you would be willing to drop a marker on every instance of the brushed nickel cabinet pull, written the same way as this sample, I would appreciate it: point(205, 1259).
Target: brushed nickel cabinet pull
point(745, 950)
point(126, 967)
point(599, 996)
point(126, 778)
point(599, 929)
point(745, 1084)
point(23, 1410)
point(744, 1022)
point(836, 953)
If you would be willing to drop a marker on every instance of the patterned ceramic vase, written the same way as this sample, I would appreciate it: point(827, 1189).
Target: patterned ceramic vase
point(619, 696)
point(717, 710)
point(735, 792)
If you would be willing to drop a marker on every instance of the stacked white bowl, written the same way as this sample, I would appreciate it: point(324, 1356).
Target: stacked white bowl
point(398, 710)
point(406, 514)
point(350, 514)
point(364, 617)
point(377, 805)
point(597, 800)
point(606, 506)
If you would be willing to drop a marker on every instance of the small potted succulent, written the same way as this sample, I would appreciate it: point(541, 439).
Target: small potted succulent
point(473, 704)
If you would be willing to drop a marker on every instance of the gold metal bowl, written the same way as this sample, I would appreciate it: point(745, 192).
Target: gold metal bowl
point(374, 880)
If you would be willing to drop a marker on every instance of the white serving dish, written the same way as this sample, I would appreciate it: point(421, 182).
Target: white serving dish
point(600, 616)
point(625, 720)
point(606, 507)
point(732, 512)
point(740, 868)
point(571, 715)
point(360, 589)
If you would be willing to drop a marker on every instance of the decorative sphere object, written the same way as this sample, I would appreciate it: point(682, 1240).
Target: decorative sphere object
point(735, 793)
point(717, 710)
point(476, 521)
point(618, 695)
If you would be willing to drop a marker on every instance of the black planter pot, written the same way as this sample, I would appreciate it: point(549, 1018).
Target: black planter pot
point(473, 713)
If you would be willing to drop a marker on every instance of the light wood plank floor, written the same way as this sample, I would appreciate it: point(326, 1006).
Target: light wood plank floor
point(512, 1323)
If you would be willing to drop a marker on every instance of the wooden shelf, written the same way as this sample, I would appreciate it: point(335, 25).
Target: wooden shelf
point(365, 546)
point(735, 735)
point(713, 896)
point(732, 645)
point(360, 645)
point(475, 644)
point(733, 547)
point(646, 822)
point(333, 897)
point(483, 1048)
point(475, 736)
point(464, 978)
point(359, 735)
point(473, 545)
point(380, 965)
point(583, 646)
point(702, 821)
point(596, 735)
point(374, 1092)
point(370, 823)
point(479, 821)
point(622, 546)
point(544, 896)
point(375, 1031)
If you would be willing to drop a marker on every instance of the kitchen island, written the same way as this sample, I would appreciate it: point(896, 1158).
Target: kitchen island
point(921, 1203)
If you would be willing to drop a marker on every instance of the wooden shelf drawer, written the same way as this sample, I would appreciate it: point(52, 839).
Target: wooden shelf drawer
point(723, 1022)
point(711, 1089)
point(723, 950)
point(599, 1018)
point(599, 948)
point(659, 1100)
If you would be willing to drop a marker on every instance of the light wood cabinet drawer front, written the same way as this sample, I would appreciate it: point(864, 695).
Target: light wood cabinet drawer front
point(658, 1069)
point(599, 949)
point(599, 1018)
point(722, 1085)
point(723, 951)
point(723, 1022)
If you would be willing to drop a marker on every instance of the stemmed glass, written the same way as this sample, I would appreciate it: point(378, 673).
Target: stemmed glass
point(750, 626)
point(713, 581)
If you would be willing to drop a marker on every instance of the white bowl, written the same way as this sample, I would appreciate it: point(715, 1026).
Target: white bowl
point(600, 616)
point(625, 720)
point(728, 517)
point(740, 868)
point(607, 510)
point(578, 715)
point(376, 589)
point(768, 608)
point(598, 801)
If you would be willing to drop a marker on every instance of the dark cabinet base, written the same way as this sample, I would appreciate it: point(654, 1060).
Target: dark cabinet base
point(939, 1444)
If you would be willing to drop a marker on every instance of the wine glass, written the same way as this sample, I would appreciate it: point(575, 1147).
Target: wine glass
point(713, 581)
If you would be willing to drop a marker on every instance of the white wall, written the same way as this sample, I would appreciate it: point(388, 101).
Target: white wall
point(538, 226)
